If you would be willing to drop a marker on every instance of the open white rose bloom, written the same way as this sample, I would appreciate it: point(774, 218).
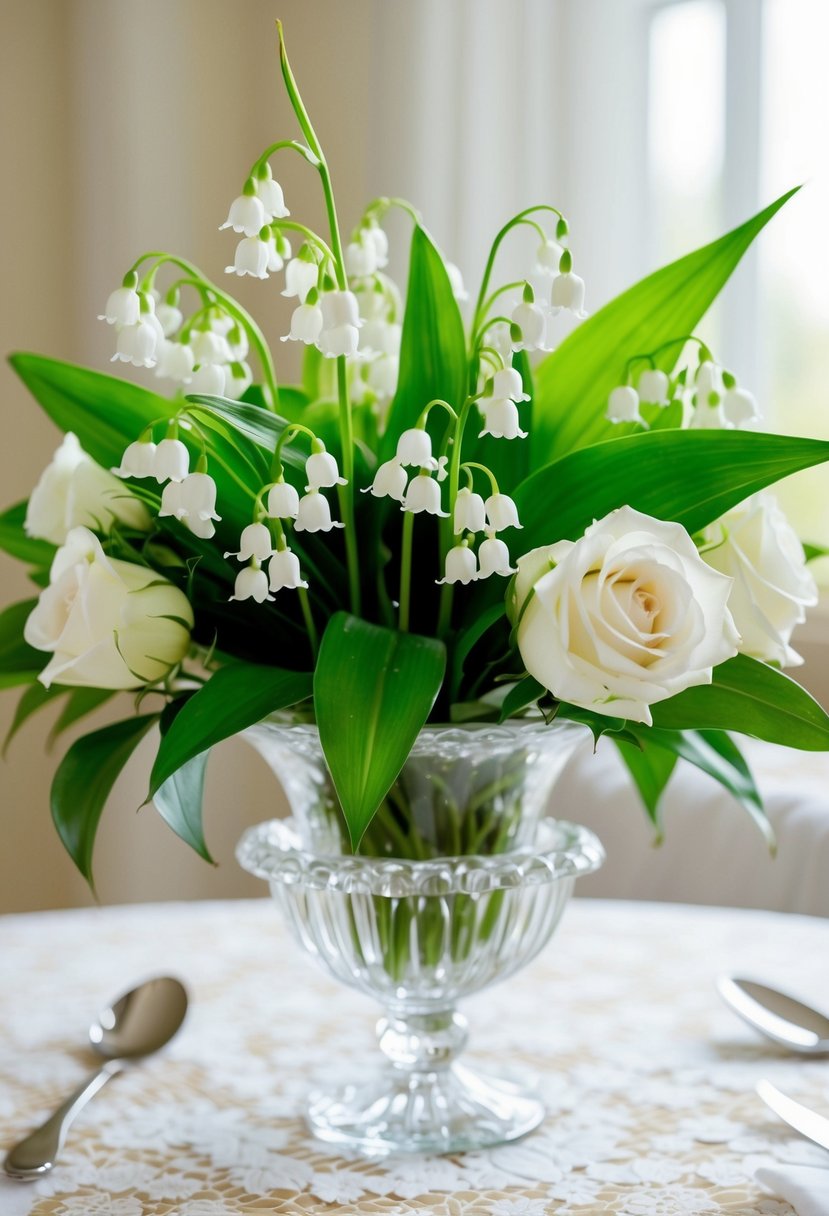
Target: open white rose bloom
point(447, 519)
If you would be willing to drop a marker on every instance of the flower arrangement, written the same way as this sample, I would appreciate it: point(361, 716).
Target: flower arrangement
point(445, 522)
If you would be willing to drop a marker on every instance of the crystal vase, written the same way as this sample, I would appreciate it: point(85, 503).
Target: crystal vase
point(460, 880)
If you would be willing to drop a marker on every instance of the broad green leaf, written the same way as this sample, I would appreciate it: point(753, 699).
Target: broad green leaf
point(574, 382)
point(79, 703)
point(84, 780)
point(433, 347)
point(373, 691)
point(253, 423)
point(813, 552)
point(33, 699)
point(525, 692)
point(469, 637)
point(19, 662)
point(751, 698)
point(651, 769)
point(179, 803)
point(235, 697)
point(13, 539)
point(691, 477)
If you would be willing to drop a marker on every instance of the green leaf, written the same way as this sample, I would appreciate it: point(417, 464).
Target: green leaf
point(433, 347)
point(33, 699)
point(751, 698)
point(235, 697)
point(179, 803)
point(373, 691)
point(79, 703)
point(813, 552)
point(469, 637)
point(84, 780)
point(691, 477)
point(13, 539)
point(19, 662)
point(651, 769)
point(574, 382)
point(525, 692)
point(254, 424)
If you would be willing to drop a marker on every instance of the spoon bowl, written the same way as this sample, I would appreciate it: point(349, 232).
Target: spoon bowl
point(778, 1016)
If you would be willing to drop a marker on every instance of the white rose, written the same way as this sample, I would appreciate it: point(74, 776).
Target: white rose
point(756, 545)
point(108, 623)
point(626, 616)
point(76, 492)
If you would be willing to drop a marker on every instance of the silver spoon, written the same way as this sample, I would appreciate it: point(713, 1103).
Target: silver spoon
point(138, 1024)
point(779, 1017)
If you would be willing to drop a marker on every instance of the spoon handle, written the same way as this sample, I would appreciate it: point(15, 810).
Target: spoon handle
point(37, 1153)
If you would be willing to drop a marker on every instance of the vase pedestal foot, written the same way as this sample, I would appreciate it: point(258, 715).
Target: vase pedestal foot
point(451, 1110)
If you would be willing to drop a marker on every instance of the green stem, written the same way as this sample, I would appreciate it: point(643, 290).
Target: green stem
point(447, 530)
point(306, 153)
point(309, 234)
point(346, 492)
point(308, 617)
point(521, 218)
point(406, 570)
point(473, 464)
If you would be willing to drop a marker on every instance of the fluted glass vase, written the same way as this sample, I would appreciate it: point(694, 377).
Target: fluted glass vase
point(458, 883)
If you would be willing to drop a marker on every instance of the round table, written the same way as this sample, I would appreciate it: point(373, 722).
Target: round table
point(648, 1078)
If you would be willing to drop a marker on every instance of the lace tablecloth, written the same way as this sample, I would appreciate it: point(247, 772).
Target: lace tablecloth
point(648, 1079)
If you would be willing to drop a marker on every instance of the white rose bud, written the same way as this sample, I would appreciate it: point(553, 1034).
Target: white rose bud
point(108, 623)
point(756, 545)
point(74, 492)
point(627, 616)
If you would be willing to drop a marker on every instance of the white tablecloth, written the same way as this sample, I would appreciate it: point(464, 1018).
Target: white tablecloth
point(649, 1080)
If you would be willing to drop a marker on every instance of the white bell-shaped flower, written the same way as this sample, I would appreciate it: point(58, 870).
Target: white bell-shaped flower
point(251, 584)
point(377, 236)
point(361, 258)
point(380, 337)
point(314, 514)
point(382, 375)
point(501, 512)
point(497, 337)
point(461, 566)
point(322, 472)
point(507, 382)
point(414, 447)
point(137, 344)
point(238, 379)
point(493, 558)
point(306, 324)
point(171, 461)
point(210, 346)
point(193, 501)
point(342, 340)
point(209, 380)
point(340, 324)
point(269, 192)
point(708, 383)
point(501, 418)
point(275, 259)
point(175, 362)
point(548, 256)
point(568, 294)
point(423, 494)
point(389, 481)
point(456, 281)
point(138, 460)
point(284, 570)
point(252, 257)
point(652, 387)
point(623, 405)
point(470, 513)
point(739, 407)
point(169, 317)
point(237, 342)
point(530, 319)
point(283, 501)
point(255, 544)
point(246, 215)
point(300, 277)
point(122, 308)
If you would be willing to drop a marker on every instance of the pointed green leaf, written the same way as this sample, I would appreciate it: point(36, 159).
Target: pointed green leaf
point(433, 346)
point(33, 699)
point(19, 662)
point(751, 698)
point(179, 803)
point(574, 382)
point(13, 539)
point(525, 692)
point(235, 697)
point(84, 780)
point(651, 769)
point(374, 689)
point(79, 703)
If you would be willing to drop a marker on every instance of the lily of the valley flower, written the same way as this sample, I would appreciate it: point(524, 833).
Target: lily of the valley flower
point(423, 494)
point(251, 584)
point(175, 362)
point(284, 571)
point(461, 565)
point(209, 380)
point(210, 346)
point(246, 214)
point(137, 344)
point(306, 321)
point(321, 470)
point(254, 544)
point(171, 461)
point(652, 387)
point(377, 236)
point(252, 257)
point(470, 512)
point(530, 319)
point(283, 501)
point(138, 460)
point(493, 557)
point(414, 447)
point(739, 407)
point(314, 514)
point(238, 379)
point(389, 481)
point(269, 192)
point(193, 502)
point(501, 418)
point(568, 294)
point(623, 405)
point(340, 334)
point(501, 512)
point(548, 256)
point(169, 318)
point(361, 257)
point(122, 308)
point(301, 274)
point(507, 382)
